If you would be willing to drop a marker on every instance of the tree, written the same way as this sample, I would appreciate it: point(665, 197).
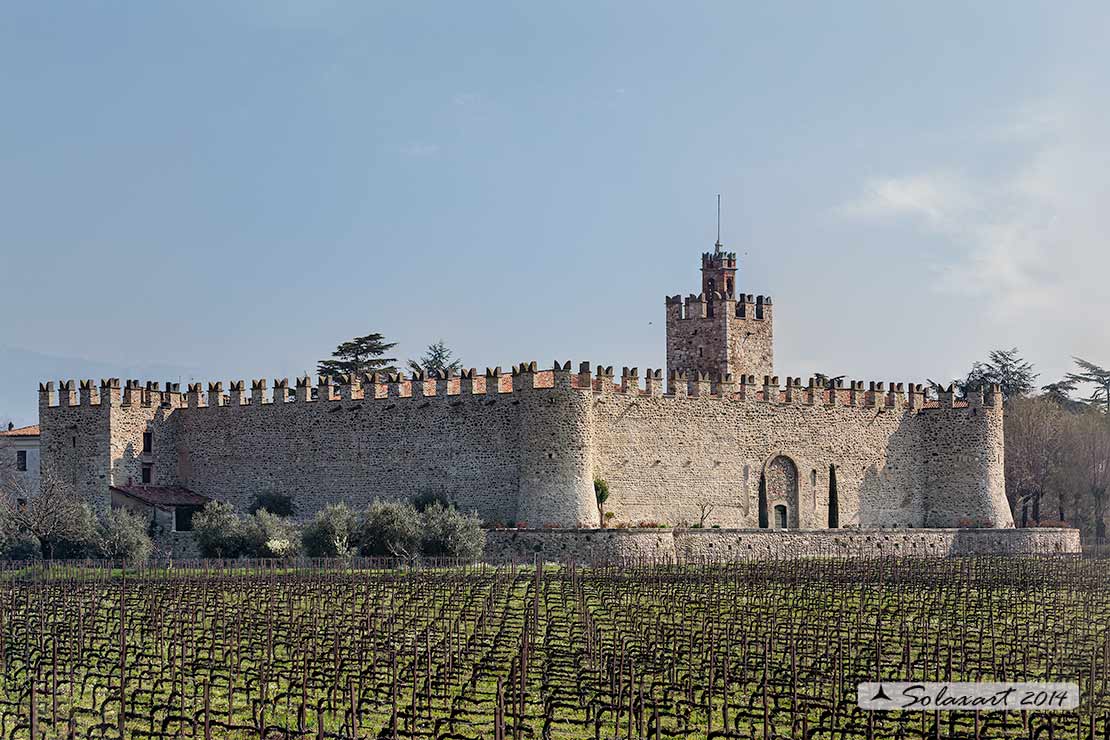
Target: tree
point(273, 502)
point(218, 531)
point(601, 495)
point(122, 535)
point(763, 518)
point(330, 532)
point(360, 355)
point(1091, 374)
point(1037, 450)
point(705, 510)
point(438, 357)
point(389, 528)
point(1004, 367)
point(447, 532)
point(1060, 394)
point(64, 524)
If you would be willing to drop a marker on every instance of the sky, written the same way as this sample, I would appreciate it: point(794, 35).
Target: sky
point(225, 190)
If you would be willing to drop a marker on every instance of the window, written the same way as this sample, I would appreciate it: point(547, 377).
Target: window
point(780, 517)
point(148, 473)
point(183, 518)
point(148, 441)
point(21, 460)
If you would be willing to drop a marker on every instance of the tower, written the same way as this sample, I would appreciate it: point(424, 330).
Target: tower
point(720, 331)
point(718, 272)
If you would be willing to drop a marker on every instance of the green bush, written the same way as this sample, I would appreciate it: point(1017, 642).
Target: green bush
point(218, 531)
point(447, 532)
point(331, 532)
point(18, 545)
point(267, 535)
point(273, 502)
point(122, 535)
point(390, 529)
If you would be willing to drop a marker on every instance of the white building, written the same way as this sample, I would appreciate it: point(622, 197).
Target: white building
point(19, 458)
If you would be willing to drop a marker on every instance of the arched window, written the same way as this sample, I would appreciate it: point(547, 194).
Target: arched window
point(834, 503)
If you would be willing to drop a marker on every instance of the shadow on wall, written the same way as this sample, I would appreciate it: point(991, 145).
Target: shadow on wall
point(893, 500)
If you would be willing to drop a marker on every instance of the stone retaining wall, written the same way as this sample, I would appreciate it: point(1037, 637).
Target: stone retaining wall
point(722, 545)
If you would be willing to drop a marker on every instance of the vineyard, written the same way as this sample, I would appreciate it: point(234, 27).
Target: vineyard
point(371, 650)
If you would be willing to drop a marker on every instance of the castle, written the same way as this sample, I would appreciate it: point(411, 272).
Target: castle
point(725, 443)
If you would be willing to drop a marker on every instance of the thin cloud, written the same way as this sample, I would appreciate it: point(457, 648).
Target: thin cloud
point(1026, 238)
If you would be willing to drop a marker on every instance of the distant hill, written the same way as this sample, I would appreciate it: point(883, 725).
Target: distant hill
point(21, 371)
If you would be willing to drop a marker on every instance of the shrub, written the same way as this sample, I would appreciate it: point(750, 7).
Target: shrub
point(18, 545)
point(426, 499)
point(273, 502)
point(218, 531)
point(389, 528)
point(267, 535)
point(122, 535)
point(450, 533)
point(330, 533)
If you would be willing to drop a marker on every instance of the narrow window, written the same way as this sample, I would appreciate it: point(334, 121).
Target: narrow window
point(148, 473)
point(834, 503)
point(148, 441)
point(21, 460)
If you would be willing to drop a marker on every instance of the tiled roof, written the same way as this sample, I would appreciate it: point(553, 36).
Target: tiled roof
point(31, 431)
point(163, 495)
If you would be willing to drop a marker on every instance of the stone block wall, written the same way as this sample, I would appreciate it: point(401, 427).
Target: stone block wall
point(527, 448)
point(729, 545)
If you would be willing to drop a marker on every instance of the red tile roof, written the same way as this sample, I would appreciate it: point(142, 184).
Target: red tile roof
point(163, 495)
point(31, 431)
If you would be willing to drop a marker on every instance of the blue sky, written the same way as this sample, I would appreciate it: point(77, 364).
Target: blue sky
point(227, 190)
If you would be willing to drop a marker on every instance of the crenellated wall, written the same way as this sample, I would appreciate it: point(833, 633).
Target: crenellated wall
point(526, 447)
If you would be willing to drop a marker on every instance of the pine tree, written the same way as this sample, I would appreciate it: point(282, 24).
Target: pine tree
point(1099, 377)
point(1004, 367)
point(438, 357)
point(360, 355)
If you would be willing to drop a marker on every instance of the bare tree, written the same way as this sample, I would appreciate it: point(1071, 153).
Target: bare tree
point(1037, 442)
point(705, 510)
point(53, 513)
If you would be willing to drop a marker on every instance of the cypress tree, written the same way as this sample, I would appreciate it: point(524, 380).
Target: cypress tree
point(762, 501)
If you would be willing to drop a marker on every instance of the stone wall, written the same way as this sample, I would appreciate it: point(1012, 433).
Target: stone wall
point(725, 545)
point(719, 335)
point(527, 449)
point(673, 458)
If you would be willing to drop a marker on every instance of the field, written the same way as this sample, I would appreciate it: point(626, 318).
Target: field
point(749, 650)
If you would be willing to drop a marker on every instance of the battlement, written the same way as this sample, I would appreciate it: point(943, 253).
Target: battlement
point(87, 393)
point(718, 260)
point(701, 306)
point(522, 379)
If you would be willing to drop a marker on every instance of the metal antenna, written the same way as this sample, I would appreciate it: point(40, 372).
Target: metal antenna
point(718, 220)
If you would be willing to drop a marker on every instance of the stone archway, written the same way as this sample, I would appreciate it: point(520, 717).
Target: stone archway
point(782, 487)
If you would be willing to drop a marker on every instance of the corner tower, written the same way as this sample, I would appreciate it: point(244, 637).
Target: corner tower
point(720, 331)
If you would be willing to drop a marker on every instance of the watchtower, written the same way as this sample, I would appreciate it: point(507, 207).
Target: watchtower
point(719, 331)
